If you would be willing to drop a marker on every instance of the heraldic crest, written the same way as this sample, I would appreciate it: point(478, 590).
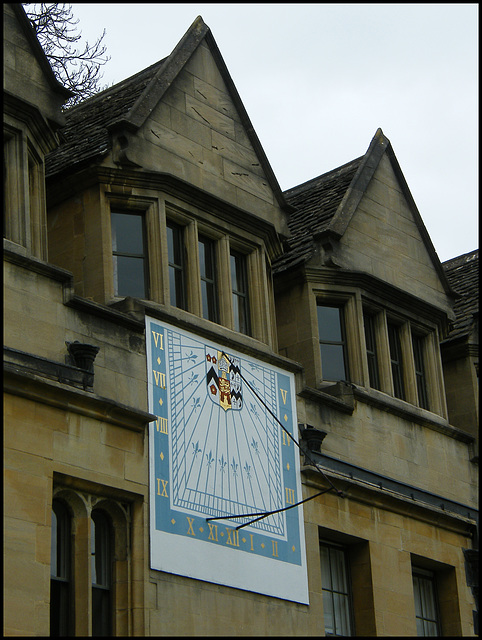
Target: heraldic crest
point(223, 379)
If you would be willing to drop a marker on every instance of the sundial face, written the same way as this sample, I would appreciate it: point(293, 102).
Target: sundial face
point(219, 458)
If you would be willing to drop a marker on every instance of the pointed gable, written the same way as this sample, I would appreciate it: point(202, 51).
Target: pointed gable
point(365, 210)
point(27, 73)
point(181, 117)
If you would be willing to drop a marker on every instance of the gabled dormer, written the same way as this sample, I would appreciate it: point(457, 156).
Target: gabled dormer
point(32, 100)
point(162, 192)
point(361, 294)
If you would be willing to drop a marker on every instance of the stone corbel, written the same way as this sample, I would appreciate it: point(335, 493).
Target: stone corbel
point(123, 149)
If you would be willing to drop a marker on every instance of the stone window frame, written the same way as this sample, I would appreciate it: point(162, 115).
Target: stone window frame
point(421, 615)
point(147, 208)
point(25, 217)
point(408, 327)
point(158, 209)
point(355, 304)
point(348, 303)
point(343, 549)
point(80, 505)
point(116, 253)
point(447, 586)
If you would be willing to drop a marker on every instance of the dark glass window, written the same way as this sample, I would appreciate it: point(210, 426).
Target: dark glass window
point(332, 342)
point(129, 255)
point(207, 265)
point(239, 286)
point(396, 360)
point(177, 276)
point(336, 591)
point(418, 344)
point(426, 612)
point(101, 569)
point(60, 572)
point(371, 347)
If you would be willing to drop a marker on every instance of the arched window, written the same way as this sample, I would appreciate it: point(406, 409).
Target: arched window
point(101, 569)
point(61, 621)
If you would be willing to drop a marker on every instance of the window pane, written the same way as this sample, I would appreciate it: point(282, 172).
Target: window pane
point(101, 559)
point(60, 571)
point(175, 255)
point(425, 605)
point(239, 285)
point(325, 568)
point(396, 361)
point(127, 233)
point(335, 590)
point(100, 612)
point(418, 344)
point(371, 347)
point(129, 259)
point(100, 541)
point(129, 279)
point(342, 614)
point(420, 628)
point(208, 279)
point(329, 324)
point(332, 343)
point(328, 615)
point(332, 362)
point(338, 570)
point(431, 629)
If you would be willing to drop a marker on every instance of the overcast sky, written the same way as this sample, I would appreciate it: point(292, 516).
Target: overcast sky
point(317, 80)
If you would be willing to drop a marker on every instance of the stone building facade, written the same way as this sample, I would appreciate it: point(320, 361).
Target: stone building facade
point(145, 227)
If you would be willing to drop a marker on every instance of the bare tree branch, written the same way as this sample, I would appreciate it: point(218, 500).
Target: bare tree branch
point(77, 65)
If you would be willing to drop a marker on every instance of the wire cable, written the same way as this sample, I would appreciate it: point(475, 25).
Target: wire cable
point(306, 454)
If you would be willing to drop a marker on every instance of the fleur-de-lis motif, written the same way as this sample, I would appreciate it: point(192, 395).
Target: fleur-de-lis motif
point(196, 403)
point(247, 468)
point(193, 377)
point(234, 467)
point(254, 410)
point(191, 356)
point(209, 458)
point(255, 446)
point(222, 464)
point(196, 448)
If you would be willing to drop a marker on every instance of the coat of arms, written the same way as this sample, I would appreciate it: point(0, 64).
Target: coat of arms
point(223, 379)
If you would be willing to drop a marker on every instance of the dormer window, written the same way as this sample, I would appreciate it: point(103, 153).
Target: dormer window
point(181, 257)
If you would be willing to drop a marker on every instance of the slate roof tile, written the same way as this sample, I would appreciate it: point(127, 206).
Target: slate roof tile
point(85, 135)
point(463, 275)
point(315, 203)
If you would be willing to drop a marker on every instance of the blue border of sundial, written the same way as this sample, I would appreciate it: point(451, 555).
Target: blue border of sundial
point(169, 516)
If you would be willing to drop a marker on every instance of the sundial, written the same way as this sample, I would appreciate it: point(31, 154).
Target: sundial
point(221, 458)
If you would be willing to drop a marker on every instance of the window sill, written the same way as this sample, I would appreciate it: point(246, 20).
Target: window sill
point(409, 412)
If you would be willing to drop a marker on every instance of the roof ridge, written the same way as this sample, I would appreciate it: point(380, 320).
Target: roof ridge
point(322, 177)
point(115, 87)
point(448, 262)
